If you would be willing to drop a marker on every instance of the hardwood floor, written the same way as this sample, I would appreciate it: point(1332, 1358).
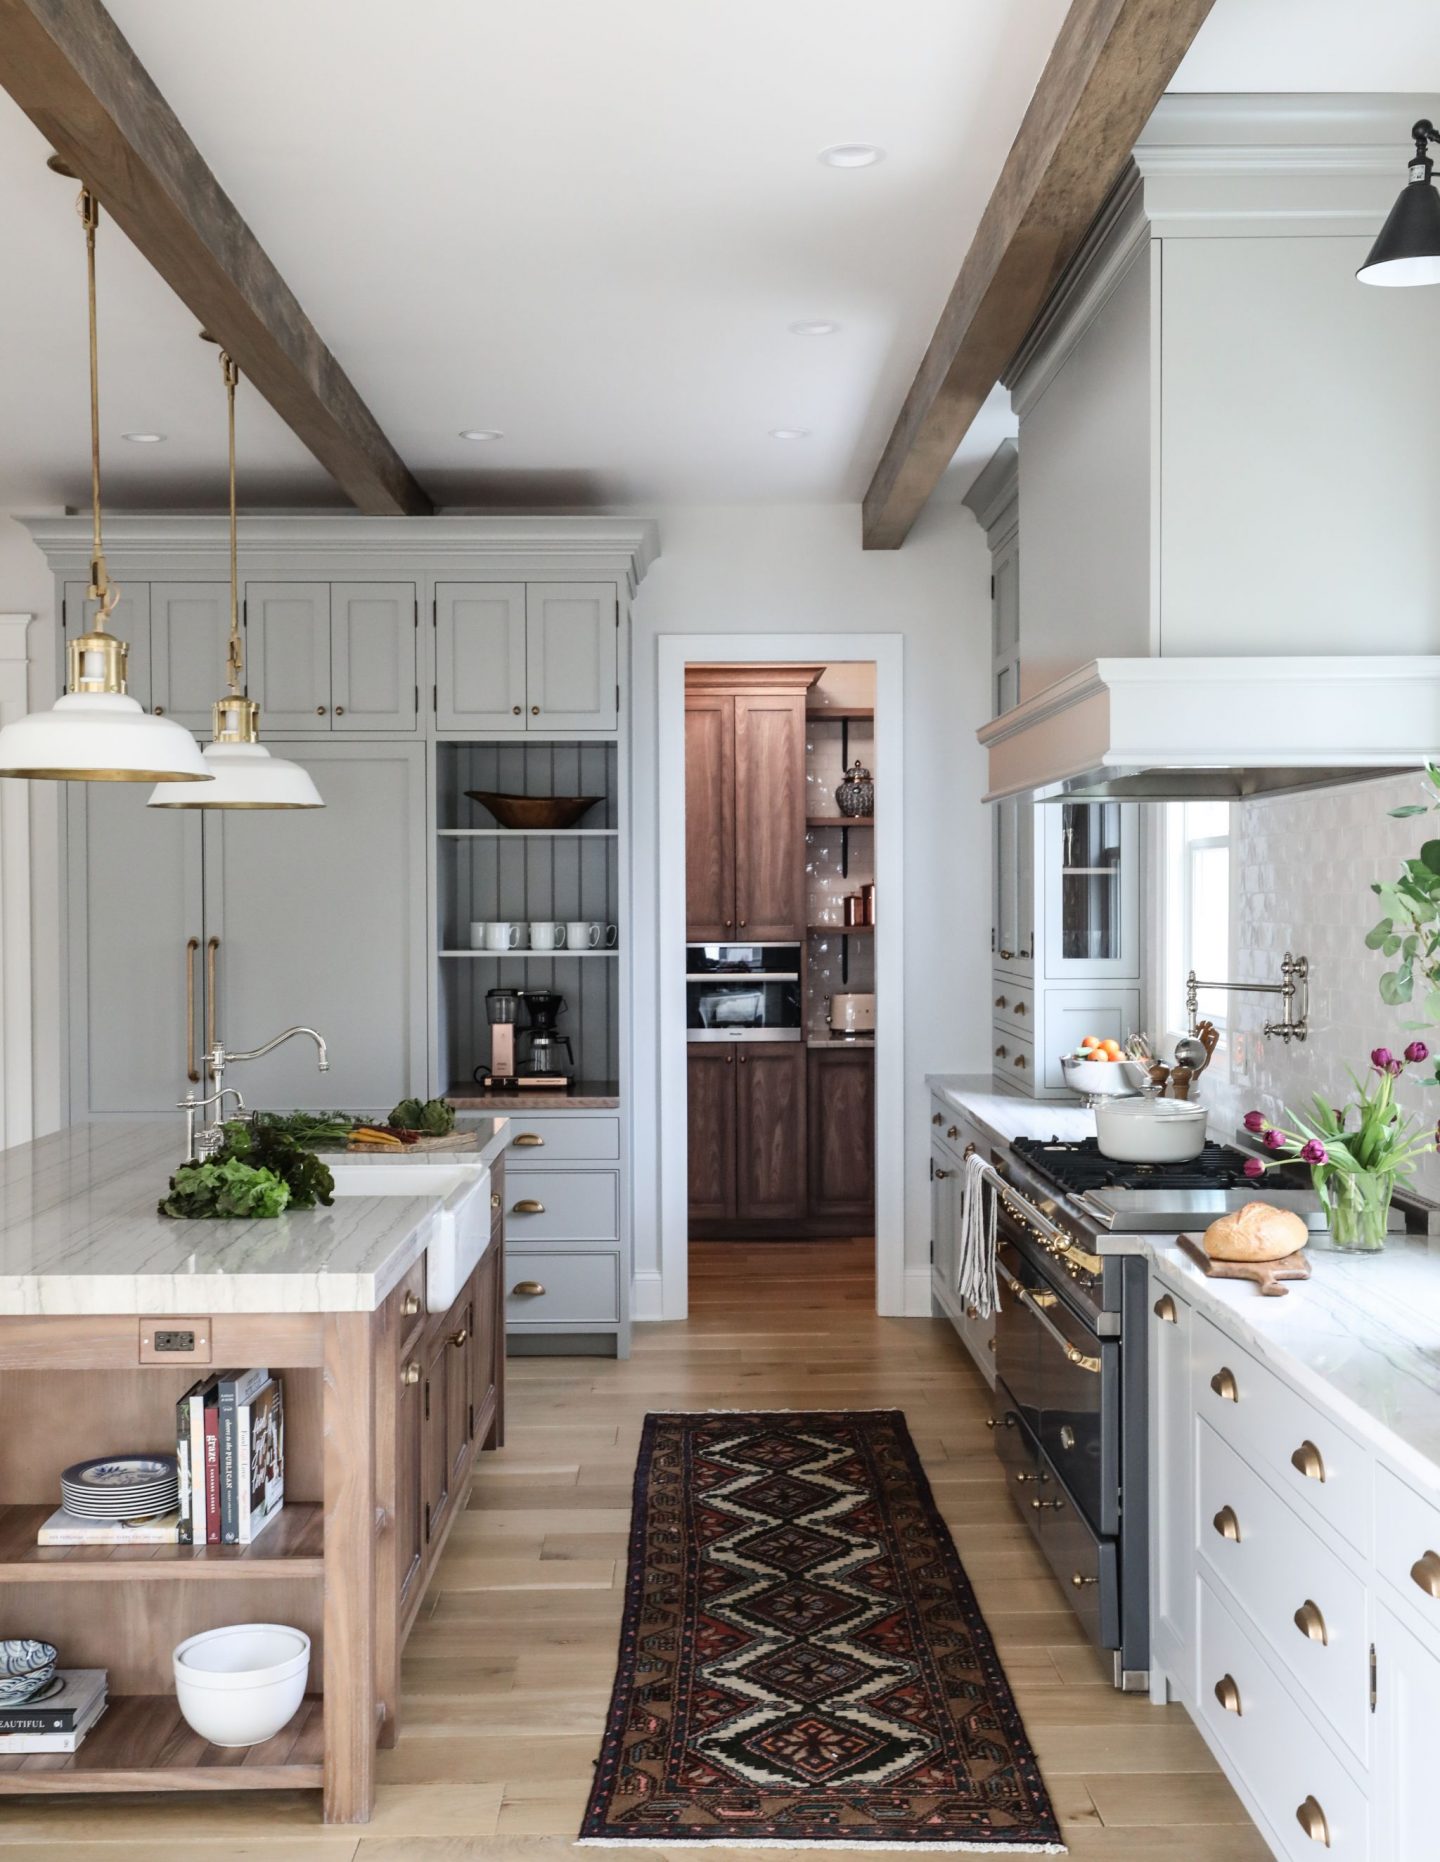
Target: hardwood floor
point(508, 1673)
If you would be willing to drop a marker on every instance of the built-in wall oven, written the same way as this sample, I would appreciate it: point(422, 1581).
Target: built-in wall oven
point(743, 992)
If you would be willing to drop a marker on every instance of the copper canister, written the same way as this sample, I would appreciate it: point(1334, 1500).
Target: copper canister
point(854, 909)
point(867, 903)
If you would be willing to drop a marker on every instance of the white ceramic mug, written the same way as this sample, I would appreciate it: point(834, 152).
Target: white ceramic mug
point(548, 936)
point(500, 934)
point(579, 935)
point(609, 935)
point(477, 935)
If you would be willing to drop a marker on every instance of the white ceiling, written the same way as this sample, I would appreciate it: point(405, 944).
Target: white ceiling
point(588, 226)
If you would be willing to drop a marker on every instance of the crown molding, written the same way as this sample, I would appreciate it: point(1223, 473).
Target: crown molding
point(996, 486)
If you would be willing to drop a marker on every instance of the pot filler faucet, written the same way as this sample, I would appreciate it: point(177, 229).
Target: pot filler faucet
point(209, 1138)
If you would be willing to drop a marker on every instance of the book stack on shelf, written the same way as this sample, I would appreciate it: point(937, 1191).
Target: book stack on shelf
point(230, 1441)
point(58, 1717)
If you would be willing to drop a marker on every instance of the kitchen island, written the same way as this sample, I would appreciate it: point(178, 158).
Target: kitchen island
point(109, 1312)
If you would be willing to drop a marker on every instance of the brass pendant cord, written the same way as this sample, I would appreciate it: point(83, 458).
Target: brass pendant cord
point(235, 650)
point(101, 589)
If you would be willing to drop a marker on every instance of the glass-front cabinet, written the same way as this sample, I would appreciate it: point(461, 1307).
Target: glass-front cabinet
point(1092, 917)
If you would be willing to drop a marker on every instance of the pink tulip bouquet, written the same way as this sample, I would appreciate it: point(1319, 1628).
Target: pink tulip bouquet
point(1357, 1153)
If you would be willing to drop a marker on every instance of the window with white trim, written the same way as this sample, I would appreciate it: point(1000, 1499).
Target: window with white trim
point(1197, 906)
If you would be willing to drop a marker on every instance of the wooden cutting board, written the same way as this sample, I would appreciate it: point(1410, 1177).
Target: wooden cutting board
point(1267, 1275)
point(452, 1141)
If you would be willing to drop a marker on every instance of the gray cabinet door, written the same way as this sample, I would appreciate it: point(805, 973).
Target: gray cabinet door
point(321, 919)
point(287, 630)
point(480, 656)
point(571, 656)
point(135, 938)
point(189, 624)
point(130, 622)
point(372, 656)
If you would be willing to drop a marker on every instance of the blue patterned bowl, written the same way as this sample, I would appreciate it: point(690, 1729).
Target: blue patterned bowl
point(25, 1667)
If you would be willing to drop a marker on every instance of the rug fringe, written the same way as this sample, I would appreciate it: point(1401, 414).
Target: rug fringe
point(777, 1842)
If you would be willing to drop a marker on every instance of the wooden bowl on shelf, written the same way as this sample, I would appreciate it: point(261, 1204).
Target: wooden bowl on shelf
point(534, 811)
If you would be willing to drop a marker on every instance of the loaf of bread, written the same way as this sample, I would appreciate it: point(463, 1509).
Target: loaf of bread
point(1257, 1232)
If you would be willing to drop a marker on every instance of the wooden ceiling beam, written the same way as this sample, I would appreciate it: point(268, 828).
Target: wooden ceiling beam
point(67, 65)
point(1109, 67)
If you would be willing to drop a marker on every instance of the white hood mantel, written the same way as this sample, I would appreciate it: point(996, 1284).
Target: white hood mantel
point(1186, 729)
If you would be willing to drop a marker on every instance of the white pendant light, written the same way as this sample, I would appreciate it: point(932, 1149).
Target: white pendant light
point(97, 732)
point(245, 774)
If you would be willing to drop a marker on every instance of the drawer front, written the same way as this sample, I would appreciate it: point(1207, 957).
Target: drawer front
point(1013, 1059)
point(1407, 1545)
point(562, 1140)
point(553, 1287)
point(570, 1205)
point(1272, 1746)
point(1013, 1007)
point(1317, 1463)
point(1311, 1609)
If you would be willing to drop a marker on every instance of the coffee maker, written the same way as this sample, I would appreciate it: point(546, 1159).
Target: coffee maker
point(544, 1007)
point(502, 1011)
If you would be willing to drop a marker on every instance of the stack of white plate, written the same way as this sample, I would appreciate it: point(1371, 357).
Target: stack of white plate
point(121, 1487)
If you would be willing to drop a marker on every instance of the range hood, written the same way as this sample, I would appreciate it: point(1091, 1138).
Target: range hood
point(1187, 729)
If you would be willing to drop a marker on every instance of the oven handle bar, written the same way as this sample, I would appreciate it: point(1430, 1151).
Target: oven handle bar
point(1056, 1240)
point(1082, 1360)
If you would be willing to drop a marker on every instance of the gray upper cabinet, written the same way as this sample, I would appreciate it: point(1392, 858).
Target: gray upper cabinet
point(130, 622)
point(189, 624)
point(480, 656)
point(373, 679)
point(571, 656)
point(287, 631)
point(320, 917)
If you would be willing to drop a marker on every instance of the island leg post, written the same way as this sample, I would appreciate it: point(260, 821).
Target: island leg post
point(349, 1665)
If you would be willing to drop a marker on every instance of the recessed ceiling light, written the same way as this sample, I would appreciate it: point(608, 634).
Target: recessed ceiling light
point(480, 433)
point(852, 155)
point(789, 433)
point(143, 439)
point(818, 326)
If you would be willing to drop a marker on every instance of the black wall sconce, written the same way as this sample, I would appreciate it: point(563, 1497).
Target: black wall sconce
point(1408, 249)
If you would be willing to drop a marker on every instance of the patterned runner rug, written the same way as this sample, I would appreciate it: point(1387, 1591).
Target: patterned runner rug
point(802, 1661)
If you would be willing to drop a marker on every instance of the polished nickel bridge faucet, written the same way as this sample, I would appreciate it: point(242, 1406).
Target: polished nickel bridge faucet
point(208, 1140)
point(1292, 989)
point(218, 1059)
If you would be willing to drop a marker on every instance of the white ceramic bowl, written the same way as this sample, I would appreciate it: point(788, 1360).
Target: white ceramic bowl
point(1150, 1131)
point(240, 1685)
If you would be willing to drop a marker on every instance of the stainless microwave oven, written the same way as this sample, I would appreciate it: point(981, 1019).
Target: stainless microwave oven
point(743, 992)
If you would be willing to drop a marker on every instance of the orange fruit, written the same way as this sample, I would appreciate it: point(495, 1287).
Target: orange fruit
point(1112, 1048)
point(1091, 1040)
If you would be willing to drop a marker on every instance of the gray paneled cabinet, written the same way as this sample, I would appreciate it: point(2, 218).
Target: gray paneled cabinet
point(333, 656)
point(537, 656)
point(256, 920)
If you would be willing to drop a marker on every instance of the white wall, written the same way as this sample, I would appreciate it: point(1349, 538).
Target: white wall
point(1301, 869)
point(798, 569)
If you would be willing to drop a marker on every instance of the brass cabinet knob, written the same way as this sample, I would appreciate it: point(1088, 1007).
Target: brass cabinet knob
point(1020, 1062)
point(1020, 1006)
point(939, 1174)
point(527, 1140)
point(527, 1205)
point(1001, 1003)
point(159, 711)
point(1224, 1385)
point(339, 711)
point(411, 1372)
point(457, 1339)
point(534, 711)
point(494, 1199)
point(1080, 1580)
point(527, 1289)
point(1426, 1573)
point(1165, 1310)
point(410, 1305)
point(319, 711)
point(1227, 1525)
point(1311, 1819)
point(1006, 955)
point(990, 1347)
point(517, 709)
point(937, 1118)
point(1309, 1461)
point(1228, 1695)
point(952, 1131)
point(1001, 1053)
point(1311, 1623)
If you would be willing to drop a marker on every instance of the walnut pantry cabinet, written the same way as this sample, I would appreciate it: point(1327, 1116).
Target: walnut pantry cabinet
point(840, 1096)
point(747, 1135)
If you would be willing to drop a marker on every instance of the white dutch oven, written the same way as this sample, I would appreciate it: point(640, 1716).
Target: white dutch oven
point(1150, 1131)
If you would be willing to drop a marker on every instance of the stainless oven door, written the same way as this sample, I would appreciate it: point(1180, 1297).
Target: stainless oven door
point(1065, 1382)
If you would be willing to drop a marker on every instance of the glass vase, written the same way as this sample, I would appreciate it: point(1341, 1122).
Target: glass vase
point(1358, 1207)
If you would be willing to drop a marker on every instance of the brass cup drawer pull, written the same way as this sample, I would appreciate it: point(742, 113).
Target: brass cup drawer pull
point(1228, 1695)
point(1224, 1385)
point(411, 1372)
point(410, 1305)
point(527, 1289)
point(1001, 1053)
point(1001, 1003)
point(1308, 1461)
point(1165, 1310)
point(1020, 1008)
point(1313, 1821)
point(1019, 1061)
point(527, 1139)
point(952, 1131)
point(527, 1205)
point(1227, 1525)
point(1310, 1622)
point(937, 1118)
point(1426, 1573)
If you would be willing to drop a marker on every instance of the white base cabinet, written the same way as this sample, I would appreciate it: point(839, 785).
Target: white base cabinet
point(951, 1134)
point(1294, 1596)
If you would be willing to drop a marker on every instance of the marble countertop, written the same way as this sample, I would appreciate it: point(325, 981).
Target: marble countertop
point(80, 1232)
point(1006, 1117)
